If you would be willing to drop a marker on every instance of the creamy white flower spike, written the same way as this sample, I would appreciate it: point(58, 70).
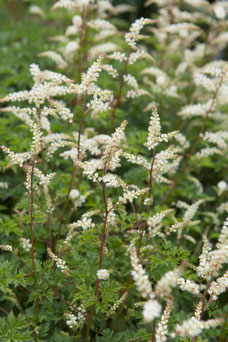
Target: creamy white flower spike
point(193, 327)
point(140, 277)
point(219, 286)
point(154, 131)
point(55, 57)
point(133, 35)
point(162, 327)
point(167, 282)
point(6, 248)
point(113, 309)
point(188, 285)
point(211, 261)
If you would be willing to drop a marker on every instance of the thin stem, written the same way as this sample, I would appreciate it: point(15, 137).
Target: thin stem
point(100, 329)
point(38, 112)
point(37, 310)
point(151, 174)
point(204, 298)
point(138, 226)
point(103, 242)
point(31, 199)
point(122, 304)
point(223, 329)
point(203, 306)
point(118, 98)
point(3, 310)
point(74, 170)
point(23, 262)
point(69, 304)
point(153, 330)
point(149, 196)
point(85, 30)
point(50, 231)
point(66, 201)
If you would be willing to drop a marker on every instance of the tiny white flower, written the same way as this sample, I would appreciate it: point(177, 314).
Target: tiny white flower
point(103, 274)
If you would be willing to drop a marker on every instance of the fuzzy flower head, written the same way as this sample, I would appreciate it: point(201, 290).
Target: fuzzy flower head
point(74, 193)
point(152, 309)
point(36, 143)
point(191, 327)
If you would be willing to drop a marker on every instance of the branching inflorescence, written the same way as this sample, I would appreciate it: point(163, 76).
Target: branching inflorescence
point(97, 186)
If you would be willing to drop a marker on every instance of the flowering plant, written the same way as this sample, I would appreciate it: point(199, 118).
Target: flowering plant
point(118, 231)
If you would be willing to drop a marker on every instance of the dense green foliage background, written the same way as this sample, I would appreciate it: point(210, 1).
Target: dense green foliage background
point(22, 37)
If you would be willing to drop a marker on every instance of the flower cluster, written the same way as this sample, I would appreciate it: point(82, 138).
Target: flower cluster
point(188, 285)
point(169, 280)
point(154, 130)
point(6, 248)
point(59, 262)
point(211, 261)
point(162, 328)
point(75, 321)
point(191, 96)
point(151, 310)
point(140, 277)
point(117, 304)
point(193, 327)
point(219, 286)
point(103, 274)
point(85, 222)
point(25, 244)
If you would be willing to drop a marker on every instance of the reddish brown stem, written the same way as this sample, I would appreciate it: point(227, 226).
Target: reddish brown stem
point(69, 304)
point(74, 170)
point(153, 330)
point(23, 263)
point(31, 199)
point(103, 242)
point(3, 310)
